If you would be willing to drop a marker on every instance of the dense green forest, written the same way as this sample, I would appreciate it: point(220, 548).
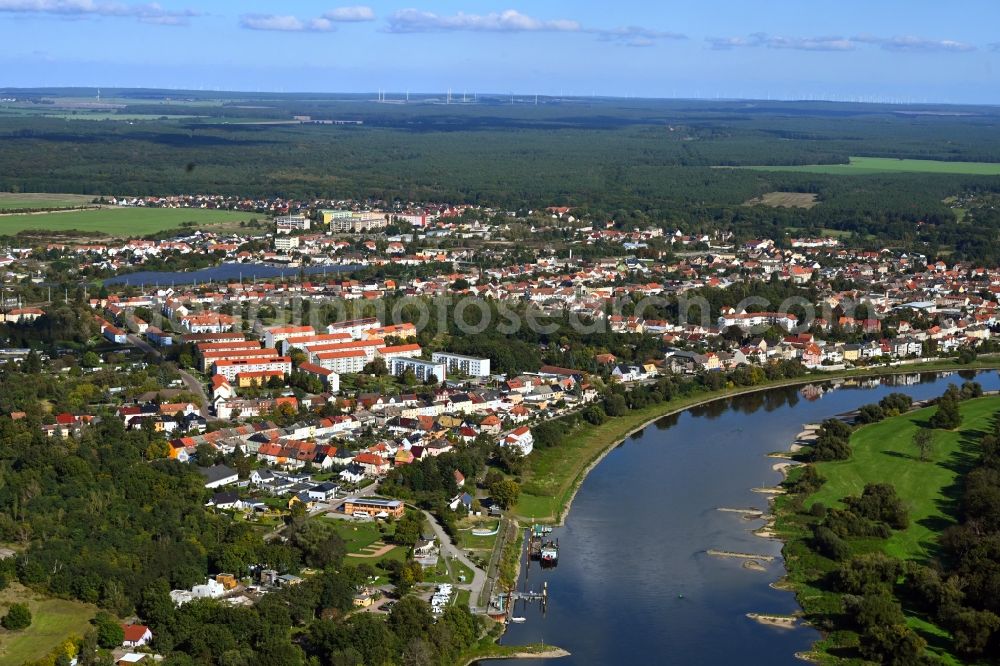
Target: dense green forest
point(625, 159)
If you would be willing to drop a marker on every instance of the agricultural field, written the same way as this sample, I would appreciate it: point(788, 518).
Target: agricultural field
point(122, 222)
point(53, 621)
point(784, 200)
point(861, 166)
point(22, 200)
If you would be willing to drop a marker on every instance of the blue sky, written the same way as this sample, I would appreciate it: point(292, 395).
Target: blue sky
point(904, 50)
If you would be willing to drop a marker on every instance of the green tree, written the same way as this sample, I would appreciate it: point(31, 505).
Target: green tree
point(923, 441)
point(947, 416)
point(973, 630)
point(870, 414)
point(109, 633)
point(548, 433)
point(408, 377)
point(505, 493)
point(410, 619)
point(18, 617)
point(893, 644)
point(615, 405)
point(376, 367)
point(409, 528)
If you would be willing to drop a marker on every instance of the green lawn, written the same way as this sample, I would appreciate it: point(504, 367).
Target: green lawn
point(459, 569)
point(119, 221)
point(53, 621)
point(884, 452)
point(462, 599)
point(860, 166)
point(467, 541)
point(360, 535)
point(357, 535)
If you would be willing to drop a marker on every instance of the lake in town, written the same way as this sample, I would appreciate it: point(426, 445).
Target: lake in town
point(634, 584)
point(223, 273)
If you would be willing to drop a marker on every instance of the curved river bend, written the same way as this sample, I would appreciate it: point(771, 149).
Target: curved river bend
point(634, 584)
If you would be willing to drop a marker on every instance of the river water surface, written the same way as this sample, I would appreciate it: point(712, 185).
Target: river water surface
point(634, 584)
point(230, 272)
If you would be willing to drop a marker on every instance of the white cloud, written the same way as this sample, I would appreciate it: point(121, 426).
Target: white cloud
point(510, 20)
point(285, 23)
point(760, 39)
point(513, 21)
point(764, 40)
point(146, 12)
point(324, 23)
point(911, 43)
point(633, 35)
point(350, 14)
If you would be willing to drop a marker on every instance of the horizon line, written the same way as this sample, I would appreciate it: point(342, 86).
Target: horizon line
point(867, 100)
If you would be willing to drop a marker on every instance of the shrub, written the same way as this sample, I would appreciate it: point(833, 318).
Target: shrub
point(896, 402)
point(947, 416)
point(870, 414)
point(827, 543)
point(18, 617)
point(879, 502)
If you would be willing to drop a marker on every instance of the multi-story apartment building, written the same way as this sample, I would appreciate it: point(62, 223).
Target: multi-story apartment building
point(286, 224)
point(231, 368)
point(467, 365)
point(357, 328)
point(423, 370)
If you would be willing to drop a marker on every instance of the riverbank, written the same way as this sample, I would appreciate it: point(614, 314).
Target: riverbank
point(496, 651)
point(553, 476)
point(880, 452)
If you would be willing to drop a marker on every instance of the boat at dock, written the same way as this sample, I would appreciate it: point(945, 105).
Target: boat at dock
point(550, 553)
point(541, 549)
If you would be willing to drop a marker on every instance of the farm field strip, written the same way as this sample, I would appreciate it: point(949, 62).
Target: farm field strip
point(860, 166)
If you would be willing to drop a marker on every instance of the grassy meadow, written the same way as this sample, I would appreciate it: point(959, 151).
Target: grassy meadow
point(22, 200)
point(884, 452)
point(784, 200)
point(123, 222)
point(861, 166)
point(53, 621)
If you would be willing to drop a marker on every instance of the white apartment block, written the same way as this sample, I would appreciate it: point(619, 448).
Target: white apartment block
point(276, 334)
point(355, 327)
point(366, 347)
point(286, 224)
point(748, 320)
point(342, 362)
point(359, 222)
point(399, 351)
point(329, 216)
point(467, 365)
point(286, 243)
point(229, 369)
point(422, 369)
point(304, 341)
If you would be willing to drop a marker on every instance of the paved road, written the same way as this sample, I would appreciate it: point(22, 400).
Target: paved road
point(451, 550)
point(193, 384)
